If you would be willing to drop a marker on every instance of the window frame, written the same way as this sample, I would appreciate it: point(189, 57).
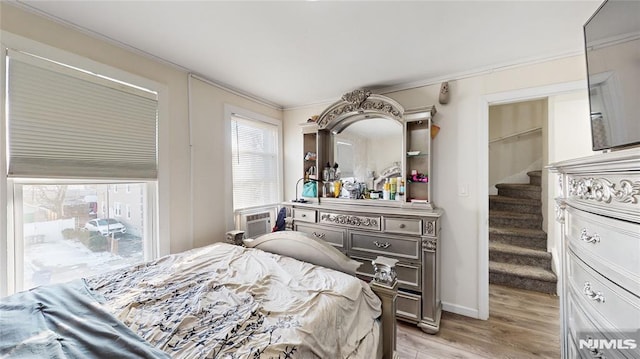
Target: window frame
point(6, 198)
point(159, 190)
point(230, 112)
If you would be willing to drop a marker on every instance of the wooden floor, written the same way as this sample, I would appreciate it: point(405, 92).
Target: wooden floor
point(521, 325)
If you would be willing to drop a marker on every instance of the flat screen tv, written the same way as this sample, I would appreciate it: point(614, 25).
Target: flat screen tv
point(612, 48)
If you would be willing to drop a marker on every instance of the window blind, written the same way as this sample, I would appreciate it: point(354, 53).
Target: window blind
point(254, 147)
point(64, 122)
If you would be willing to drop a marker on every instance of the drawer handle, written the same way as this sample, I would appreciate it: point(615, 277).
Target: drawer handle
point(585, 237)
point(303, 215)
point(595, 296)
point(402, 225)
point(321, 235)
point(382, 245)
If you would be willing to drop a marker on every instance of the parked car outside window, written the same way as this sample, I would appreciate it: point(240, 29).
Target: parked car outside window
point(106, 226)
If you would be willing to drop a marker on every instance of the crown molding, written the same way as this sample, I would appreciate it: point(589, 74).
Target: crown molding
point(236, 91)
point(476, 72)
point(452, 77)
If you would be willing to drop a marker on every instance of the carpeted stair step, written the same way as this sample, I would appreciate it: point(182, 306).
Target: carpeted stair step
point(508, 253)
point(510, 204)
point(524, 277)
point(519, 190)
point(535, 177)
point(504, 219)
point(522, 237)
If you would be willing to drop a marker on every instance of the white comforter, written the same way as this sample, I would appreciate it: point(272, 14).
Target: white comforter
point(224, 301)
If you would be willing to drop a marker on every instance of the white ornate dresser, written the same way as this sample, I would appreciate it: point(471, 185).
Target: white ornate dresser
point(599, 209)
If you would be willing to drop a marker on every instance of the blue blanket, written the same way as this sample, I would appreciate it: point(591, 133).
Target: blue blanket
point(65, 321)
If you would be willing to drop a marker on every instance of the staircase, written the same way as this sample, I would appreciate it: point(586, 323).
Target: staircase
point(518, 254)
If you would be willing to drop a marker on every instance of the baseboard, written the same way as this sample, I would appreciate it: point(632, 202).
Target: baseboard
point(458, 309)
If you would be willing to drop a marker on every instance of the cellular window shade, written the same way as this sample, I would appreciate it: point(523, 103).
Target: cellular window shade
point(63, 122)
point(254, 147)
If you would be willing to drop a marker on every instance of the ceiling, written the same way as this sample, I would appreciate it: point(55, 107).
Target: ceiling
point(295, 53)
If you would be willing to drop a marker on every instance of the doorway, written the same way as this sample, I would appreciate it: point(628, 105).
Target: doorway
point(518, 256)
point(554, 148)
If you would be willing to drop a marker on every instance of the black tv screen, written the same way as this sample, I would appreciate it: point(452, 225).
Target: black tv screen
point(612, 48)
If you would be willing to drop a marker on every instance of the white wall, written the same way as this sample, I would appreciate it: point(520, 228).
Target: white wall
point(511, 158)
point(210, 135)
point(569, 133)
point(569, 136)
point(457, 162)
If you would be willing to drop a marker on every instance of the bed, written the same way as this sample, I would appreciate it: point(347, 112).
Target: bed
point(219, 301)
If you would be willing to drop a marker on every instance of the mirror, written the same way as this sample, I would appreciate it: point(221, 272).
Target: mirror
point(364, 134)
point(366, 148)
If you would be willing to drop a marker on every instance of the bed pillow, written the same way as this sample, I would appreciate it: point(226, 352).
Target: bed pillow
point(303, 247)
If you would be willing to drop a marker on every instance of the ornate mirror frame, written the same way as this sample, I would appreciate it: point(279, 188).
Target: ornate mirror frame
point(360, 105)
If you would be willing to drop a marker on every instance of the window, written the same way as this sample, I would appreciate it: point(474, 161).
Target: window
point(345, 157)
point(62, 238)
point(255, 157)
point(73, 137)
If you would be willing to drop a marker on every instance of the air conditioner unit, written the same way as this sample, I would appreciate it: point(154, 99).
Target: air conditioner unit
point(255, 222)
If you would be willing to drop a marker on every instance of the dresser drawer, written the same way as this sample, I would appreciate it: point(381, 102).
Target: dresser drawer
point(334, 236)
point(304, 215)
point(351, 220)
point(614, 194)
point(408, 274)
point(394, 246)
point(586, 340)
point(610, 246)
point(408, 306)
point(610, 306)
point(403, 225)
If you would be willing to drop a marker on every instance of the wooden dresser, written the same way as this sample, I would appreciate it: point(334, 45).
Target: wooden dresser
point(599, 209)
point(364, 232)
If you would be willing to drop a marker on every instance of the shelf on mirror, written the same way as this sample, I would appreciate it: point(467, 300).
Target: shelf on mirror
point(418, 155)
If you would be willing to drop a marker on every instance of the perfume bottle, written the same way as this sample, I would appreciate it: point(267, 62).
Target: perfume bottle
point(325, 172)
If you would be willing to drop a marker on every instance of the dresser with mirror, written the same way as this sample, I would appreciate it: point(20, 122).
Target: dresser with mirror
point(371, 161)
